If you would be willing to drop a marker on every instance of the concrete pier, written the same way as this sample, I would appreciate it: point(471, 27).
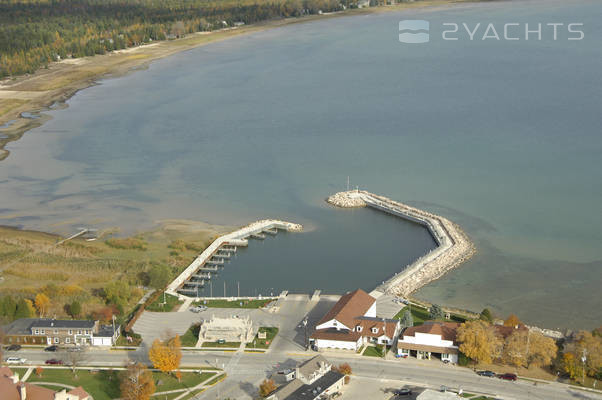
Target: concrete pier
point(454, 246)
point(210, 259)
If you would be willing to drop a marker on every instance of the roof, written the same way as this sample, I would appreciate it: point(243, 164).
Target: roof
point(425, 347)
point(385, 327)
point(349, 306)
point(106, 331)
point(333, 334)
point(447, 330)
point(79, 392)
point(5, 372)
point(505, 331)
point(429, 394)
point(310, 392)
point(312, 365)
point(63, 323)
point(19, 326)
point(283, 392)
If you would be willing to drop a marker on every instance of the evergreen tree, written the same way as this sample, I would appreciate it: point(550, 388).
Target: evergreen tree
point(407, 319)
point(436, 312)
point(23, 310)
point(486, 315)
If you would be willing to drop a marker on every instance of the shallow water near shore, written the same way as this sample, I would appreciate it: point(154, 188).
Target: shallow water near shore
point(502, 138)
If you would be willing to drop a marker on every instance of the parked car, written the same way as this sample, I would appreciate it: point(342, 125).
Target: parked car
point(15, 360)
point(489, 374)
point(221, 341)
point(52, 348)
point(13, 347)
point(74, 348)
point(54, 361)
point(403, 392)
point(508, 376)
point(401, 356)
point(198, 309)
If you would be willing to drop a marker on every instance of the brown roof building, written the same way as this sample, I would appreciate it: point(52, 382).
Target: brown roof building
point(352, 322)
point(430, 338)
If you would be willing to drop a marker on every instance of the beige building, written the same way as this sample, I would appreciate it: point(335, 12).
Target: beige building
point(233, 329)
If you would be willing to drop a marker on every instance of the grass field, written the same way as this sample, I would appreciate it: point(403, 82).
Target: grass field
point(225, 344)
point(421, 314)
point(234, 303)
point(171, 302)
point(372, 351)
point(104, 384)
point(32, 262)
point(191, 337)
point(264, 343)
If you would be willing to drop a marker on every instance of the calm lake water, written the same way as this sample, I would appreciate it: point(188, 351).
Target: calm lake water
point(502, 137)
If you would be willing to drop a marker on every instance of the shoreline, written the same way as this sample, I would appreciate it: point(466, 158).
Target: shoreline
point(453, 245)
point(51, 87)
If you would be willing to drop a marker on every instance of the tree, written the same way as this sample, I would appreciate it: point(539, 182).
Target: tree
point(486, 315)
point(436, 312)
point(591, 346)
point(512, 320)
point(8, 307)
point(570, 365)
point(542, 350)
point(74, 357)
point(158, 276)
point(75, 309)
point(42, 304)
point(178, 29)
point(39, 371)
point(478, 341)
point(345, 369)
point(267, 387)
point(137, 383)
point(166, 355)
point(23, 310)
point(407, 319)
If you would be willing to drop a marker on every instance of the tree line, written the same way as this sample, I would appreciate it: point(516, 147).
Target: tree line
point(34, 33)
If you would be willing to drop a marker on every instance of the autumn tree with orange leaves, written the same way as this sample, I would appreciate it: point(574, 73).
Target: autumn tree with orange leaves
point(42, 304)
point(167, 354)
point(137, 383)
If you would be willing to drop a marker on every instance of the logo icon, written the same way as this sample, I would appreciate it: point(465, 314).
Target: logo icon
point(414, 31)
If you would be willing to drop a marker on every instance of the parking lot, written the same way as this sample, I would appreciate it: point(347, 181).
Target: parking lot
point(361, 388)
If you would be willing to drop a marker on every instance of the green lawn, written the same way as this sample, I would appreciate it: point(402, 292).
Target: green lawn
point(191, 336)
point(372, 351)
point(234, 303)
point(467, 395)
point(104, 384)
point(421, 314)
point(263, 343)
point(170, 303)
point(225, 344)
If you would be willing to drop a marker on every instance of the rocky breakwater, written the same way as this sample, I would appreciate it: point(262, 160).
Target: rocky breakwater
point(454, 246)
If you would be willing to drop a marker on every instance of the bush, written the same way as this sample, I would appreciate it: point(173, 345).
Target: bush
point(126, 244)
point(463, 361)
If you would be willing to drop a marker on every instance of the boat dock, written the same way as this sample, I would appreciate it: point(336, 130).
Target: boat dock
point(215, 256)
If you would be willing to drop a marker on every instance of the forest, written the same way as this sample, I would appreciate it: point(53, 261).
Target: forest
point(34, 33)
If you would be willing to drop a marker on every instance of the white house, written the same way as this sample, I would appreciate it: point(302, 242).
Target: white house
point(314, 379)
point(352, 322)
point(432, 337)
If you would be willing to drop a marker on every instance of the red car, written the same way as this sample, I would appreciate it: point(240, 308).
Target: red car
point(508, 376)
point(54, 361)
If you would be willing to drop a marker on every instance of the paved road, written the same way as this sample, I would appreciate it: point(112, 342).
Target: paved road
point(246, 370)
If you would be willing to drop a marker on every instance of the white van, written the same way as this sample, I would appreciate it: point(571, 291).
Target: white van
point(15, 360)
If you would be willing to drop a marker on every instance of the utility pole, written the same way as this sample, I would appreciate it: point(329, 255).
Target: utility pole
point(305, 329)
point(224, 288)
point(238, 284)
point(347, 182)
point(210, 288)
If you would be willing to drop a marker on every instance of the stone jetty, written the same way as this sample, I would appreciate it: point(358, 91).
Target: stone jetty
point(453, 245)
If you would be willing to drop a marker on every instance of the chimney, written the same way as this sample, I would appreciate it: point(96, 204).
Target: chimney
point(22, 391)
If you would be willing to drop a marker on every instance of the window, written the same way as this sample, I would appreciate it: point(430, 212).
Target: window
point(56, 340)
point(67, 340)
point(71, 331)
point(79, 331)
point(358, 328)
point(87, 332)
point(374, 330)
point(56, 331)
point(37, 332)
point(41, 331)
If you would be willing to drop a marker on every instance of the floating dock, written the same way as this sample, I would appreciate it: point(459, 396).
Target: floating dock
point(453, 245)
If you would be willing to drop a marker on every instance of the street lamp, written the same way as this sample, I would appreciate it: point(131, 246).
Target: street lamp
point(583, 360)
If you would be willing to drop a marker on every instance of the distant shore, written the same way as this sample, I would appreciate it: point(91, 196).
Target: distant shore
point(50, 88)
